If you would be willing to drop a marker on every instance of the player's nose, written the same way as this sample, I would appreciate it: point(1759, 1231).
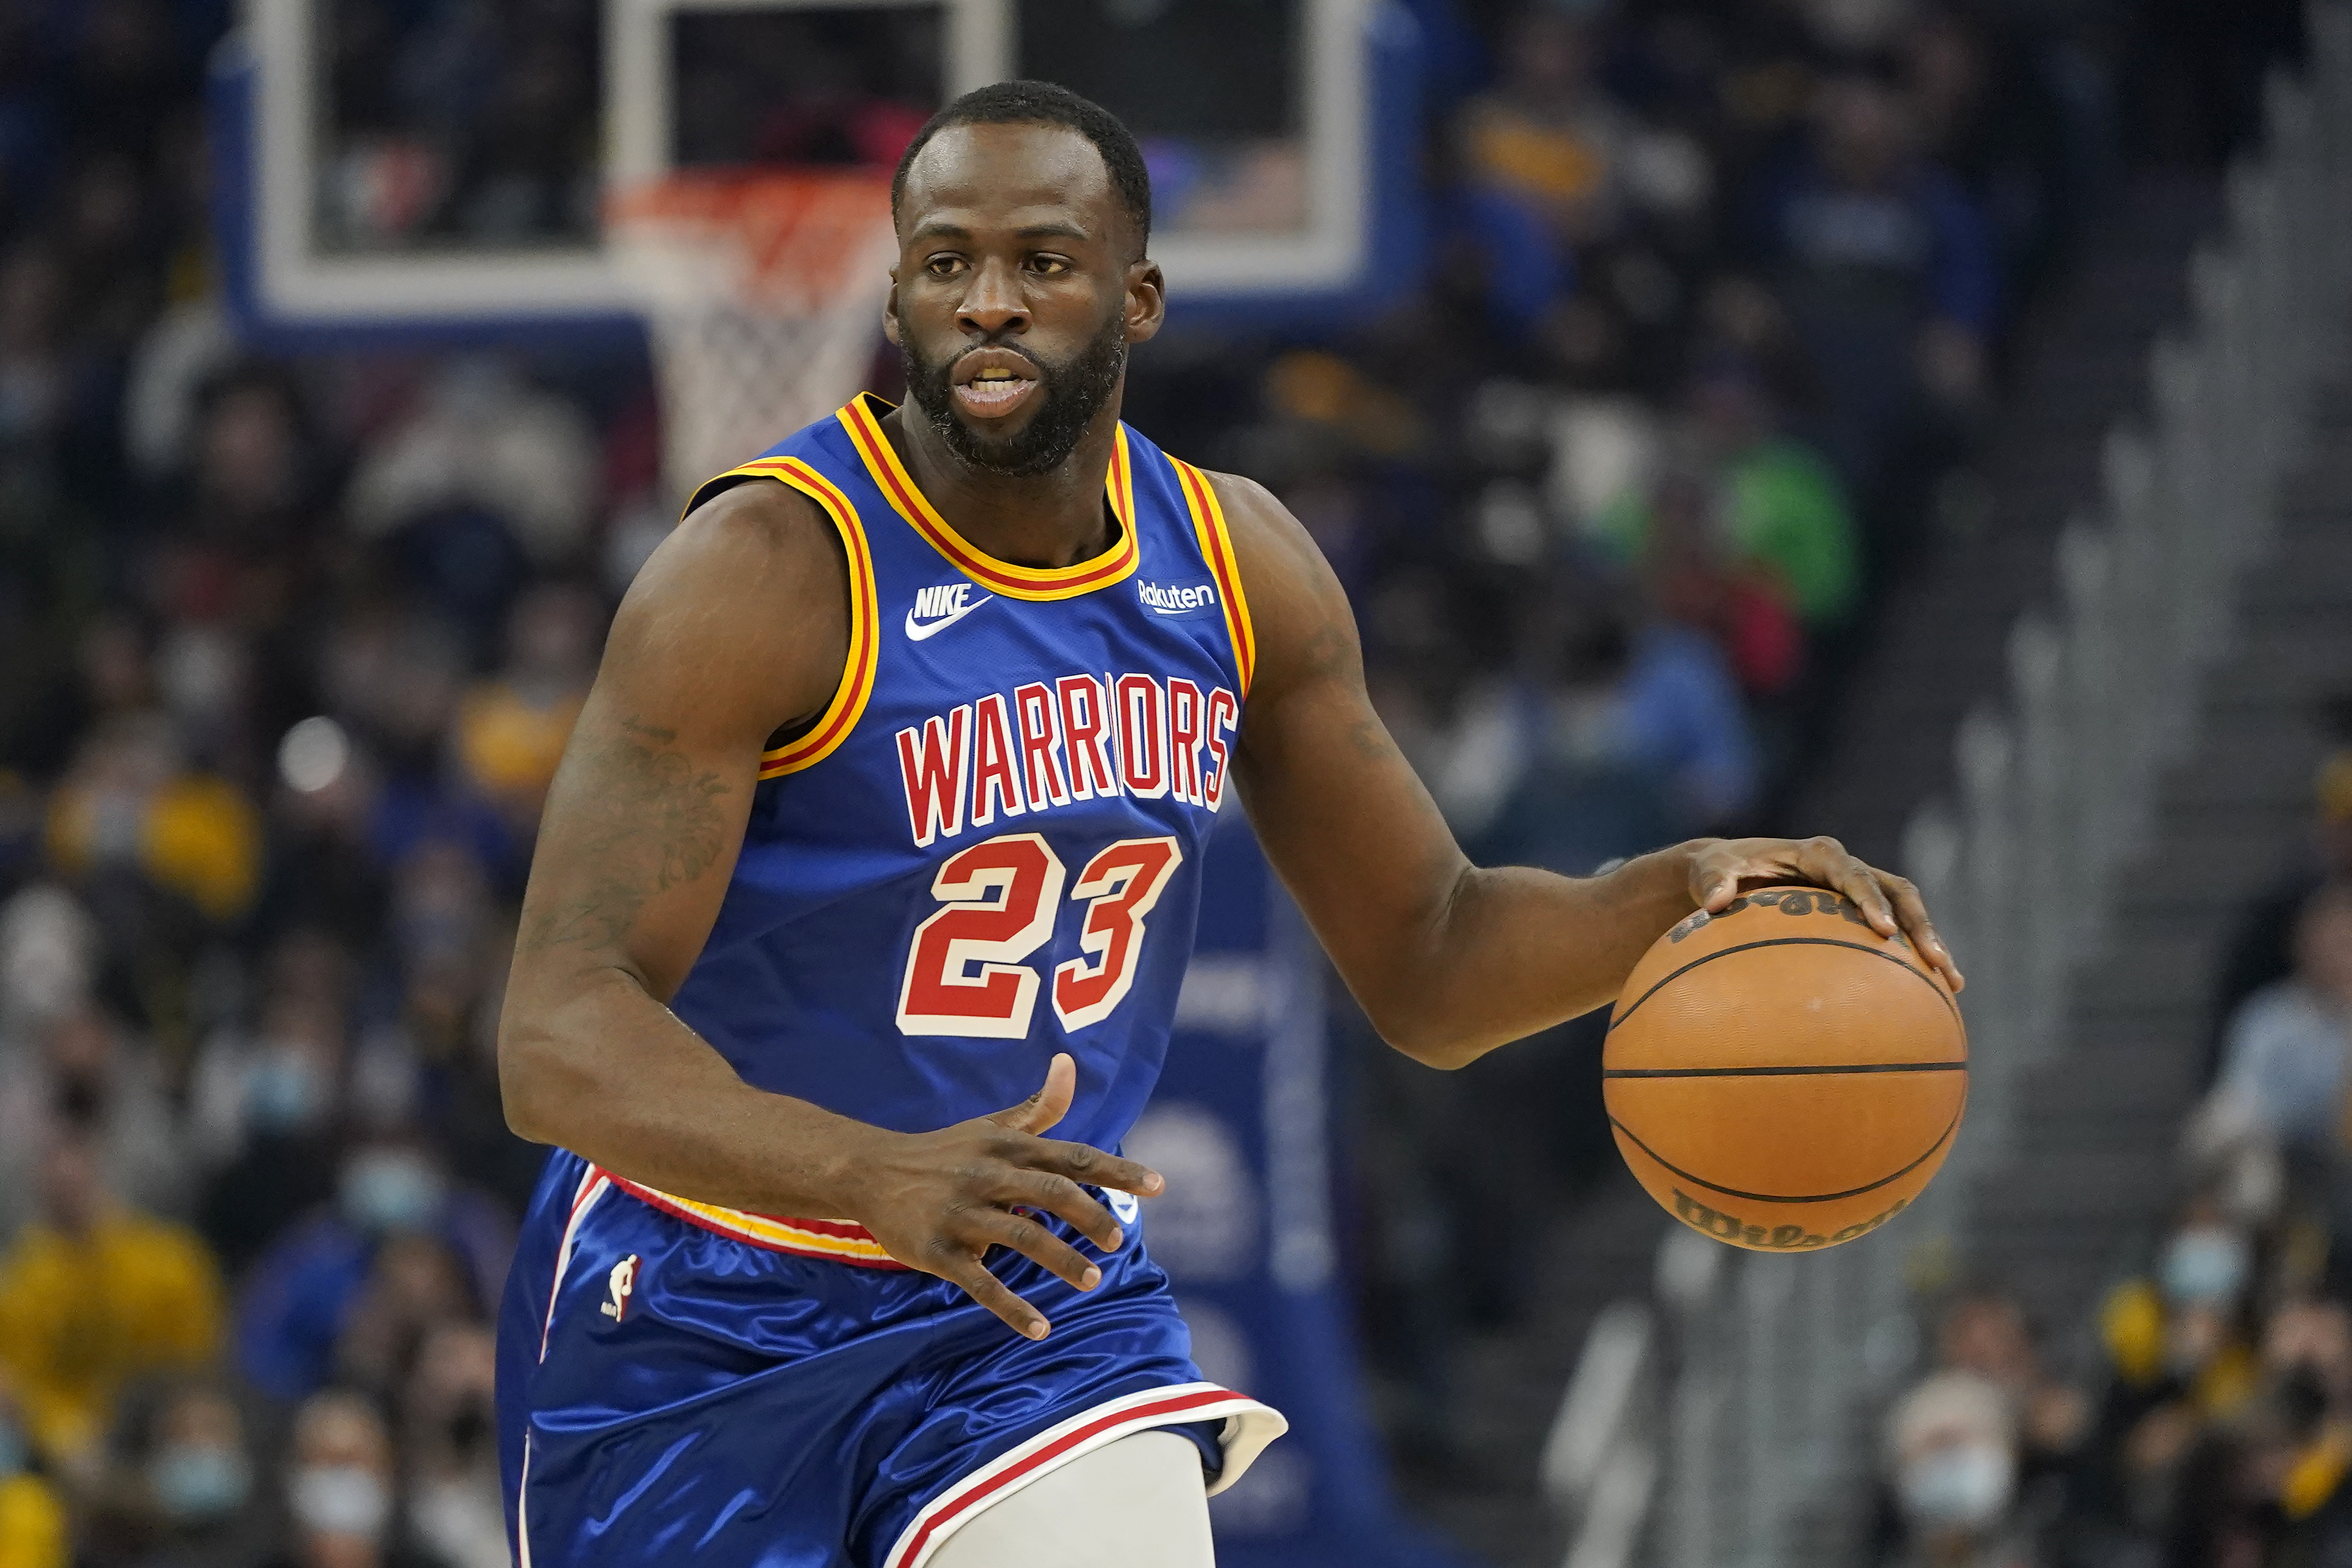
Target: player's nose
point(992, 302)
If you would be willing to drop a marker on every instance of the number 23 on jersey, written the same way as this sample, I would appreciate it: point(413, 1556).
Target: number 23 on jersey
point(965, 969)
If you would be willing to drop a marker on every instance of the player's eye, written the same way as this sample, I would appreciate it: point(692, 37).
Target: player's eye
point(944, 266)
point(1051, 266)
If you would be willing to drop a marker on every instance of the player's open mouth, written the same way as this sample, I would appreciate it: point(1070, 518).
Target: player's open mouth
point(993, 383)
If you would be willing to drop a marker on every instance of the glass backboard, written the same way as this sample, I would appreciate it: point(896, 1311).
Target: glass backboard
point(427, 165)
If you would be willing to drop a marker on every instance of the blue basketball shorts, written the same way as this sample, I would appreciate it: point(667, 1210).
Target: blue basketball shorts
point(679, 1382)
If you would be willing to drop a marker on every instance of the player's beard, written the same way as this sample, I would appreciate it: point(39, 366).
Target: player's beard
point(1074, 391)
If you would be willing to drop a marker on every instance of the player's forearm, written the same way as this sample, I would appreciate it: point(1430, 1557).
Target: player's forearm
point(595, 1064)
point(1515, 951)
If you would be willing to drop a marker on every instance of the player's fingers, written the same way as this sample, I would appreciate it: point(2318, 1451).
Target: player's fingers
point(1049, 1105)
point(1832, 867)
point(1715, 877)
point(951, 1261)
point(1084, 1163)
point(1060, 1195)
point(1912, 911)
point(999, 1227)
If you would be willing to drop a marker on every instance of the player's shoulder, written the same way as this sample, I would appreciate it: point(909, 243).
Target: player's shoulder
point(753, 539)
point(1272, 545)
point(753, 513)
point(738, 622)
point(750, 593)
point(1298, 610)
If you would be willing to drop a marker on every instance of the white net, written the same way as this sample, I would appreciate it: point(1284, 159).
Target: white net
point(763, 293)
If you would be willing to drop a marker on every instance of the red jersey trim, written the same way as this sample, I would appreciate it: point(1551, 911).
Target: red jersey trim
point(848, 705)
point(1217, 549)
point(891, 476)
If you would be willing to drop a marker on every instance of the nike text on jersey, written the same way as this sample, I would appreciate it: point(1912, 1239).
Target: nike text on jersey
point(1047, 746)
point(936, 609)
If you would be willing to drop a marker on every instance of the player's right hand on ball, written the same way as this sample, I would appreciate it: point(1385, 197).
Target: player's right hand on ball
point(938, 1201)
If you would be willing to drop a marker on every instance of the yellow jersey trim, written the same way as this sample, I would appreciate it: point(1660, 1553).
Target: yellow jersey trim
point(837, 1240)
point(891, 476)
point(1217, 549)
point(841, 714)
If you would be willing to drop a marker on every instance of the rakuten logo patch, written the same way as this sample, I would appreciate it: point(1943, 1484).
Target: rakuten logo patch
point(1175, 601)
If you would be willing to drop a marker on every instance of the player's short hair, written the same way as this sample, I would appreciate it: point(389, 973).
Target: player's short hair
point(1046, 103)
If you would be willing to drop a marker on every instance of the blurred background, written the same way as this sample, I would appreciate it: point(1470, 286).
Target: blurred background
point(1919, 421)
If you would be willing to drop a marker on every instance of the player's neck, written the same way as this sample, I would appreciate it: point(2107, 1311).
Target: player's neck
point(1052, 520)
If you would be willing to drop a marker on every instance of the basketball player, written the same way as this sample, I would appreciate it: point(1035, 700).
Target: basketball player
point(874, 860)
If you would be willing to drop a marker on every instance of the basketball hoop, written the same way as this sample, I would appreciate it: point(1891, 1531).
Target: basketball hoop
point(763, 291)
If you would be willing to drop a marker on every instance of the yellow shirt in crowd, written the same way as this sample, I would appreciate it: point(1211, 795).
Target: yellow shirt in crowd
point(510, 746)
point(81, 1316)
point(32, 1525)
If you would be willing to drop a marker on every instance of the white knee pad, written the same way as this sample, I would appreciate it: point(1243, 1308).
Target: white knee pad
point(1134, 1503)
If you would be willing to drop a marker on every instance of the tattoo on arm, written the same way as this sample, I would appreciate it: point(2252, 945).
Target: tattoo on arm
point(1371, 740)
point(1329, 653)
point(652, 824)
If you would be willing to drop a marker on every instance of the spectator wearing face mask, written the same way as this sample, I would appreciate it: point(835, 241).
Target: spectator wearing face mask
point(2182, 1363)
point(182, 1493)
point(1952, 1446)
point(1985, 1332)
point(92, 1071)
point(267, 1104)
point(94, 1294)
point(450, 1449)
point(199, 1471)
point(338, 1490)
point(326, 1275)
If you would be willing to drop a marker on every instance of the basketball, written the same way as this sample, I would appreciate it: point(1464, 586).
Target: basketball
point(1781, 1077)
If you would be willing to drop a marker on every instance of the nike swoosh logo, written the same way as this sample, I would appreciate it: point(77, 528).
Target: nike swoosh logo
point(918, 629)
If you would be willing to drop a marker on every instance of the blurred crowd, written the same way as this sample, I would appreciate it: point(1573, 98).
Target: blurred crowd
point(1717, 303)
point(2211, 1426)
point(291, 650)
point(1722, 301)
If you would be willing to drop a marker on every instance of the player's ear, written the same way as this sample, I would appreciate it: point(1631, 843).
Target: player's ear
point(890, 309)
point(1147, 300)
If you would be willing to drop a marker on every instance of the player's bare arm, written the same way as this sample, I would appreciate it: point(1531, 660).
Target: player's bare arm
point(736, 628)
point(1450, 960)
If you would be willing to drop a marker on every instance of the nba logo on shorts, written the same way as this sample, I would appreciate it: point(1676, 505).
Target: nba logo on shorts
point(621, 1283)
point(1125, 1207)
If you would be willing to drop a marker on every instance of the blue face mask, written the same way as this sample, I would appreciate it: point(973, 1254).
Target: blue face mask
point(339, 1499)
point(1964, 1487)
point(281, 1092)
point(194, 1484)
point(2204, 1265)
point(391, 1189)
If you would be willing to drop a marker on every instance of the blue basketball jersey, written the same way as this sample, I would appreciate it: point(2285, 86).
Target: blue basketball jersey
point(987, 848)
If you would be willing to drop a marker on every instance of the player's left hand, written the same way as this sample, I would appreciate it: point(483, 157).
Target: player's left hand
point(1722, 868)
